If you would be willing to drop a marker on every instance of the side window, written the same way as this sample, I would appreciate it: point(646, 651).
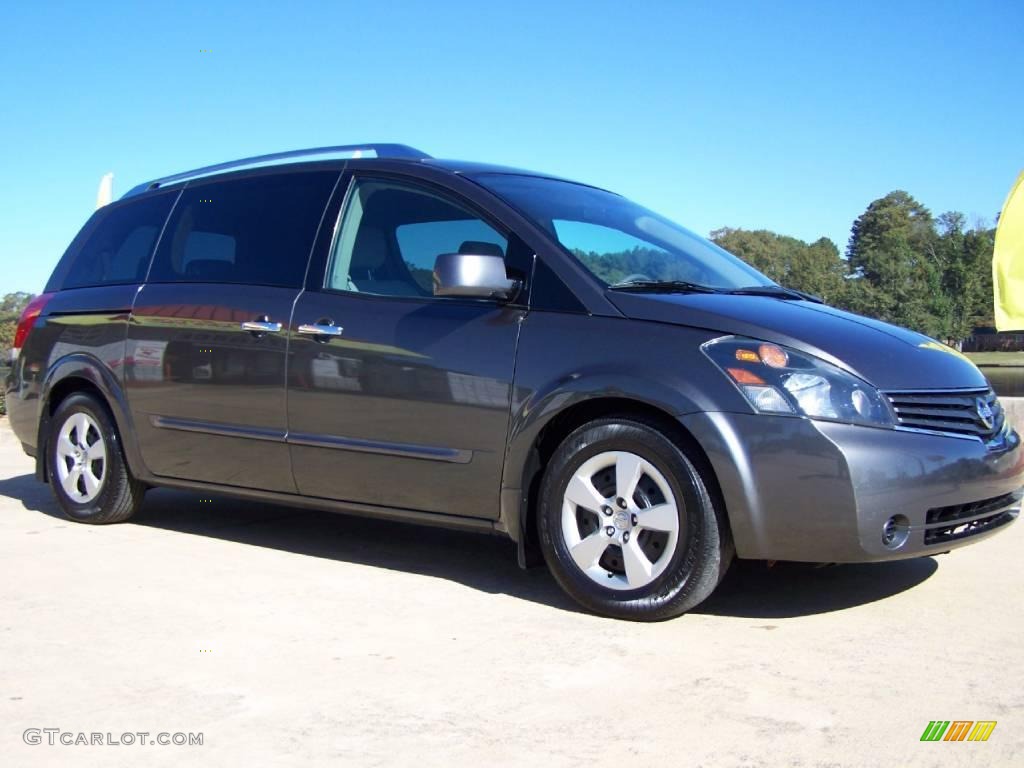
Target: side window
point(118, 249)
point(256, 231)
point(391, 234)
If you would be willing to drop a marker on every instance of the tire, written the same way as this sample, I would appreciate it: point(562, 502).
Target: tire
point(86, 466)
point(636, 568)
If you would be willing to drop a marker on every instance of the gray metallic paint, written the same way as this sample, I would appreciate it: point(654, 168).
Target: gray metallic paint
point(568, 360)
point(794, 489)
point(188, 359)
point(798, 489)
point(883, 355)
point(406, 372)
point(80, 336)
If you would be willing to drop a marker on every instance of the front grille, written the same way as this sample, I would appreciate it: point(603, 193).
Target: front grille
point(946, 524)
point(954, 412)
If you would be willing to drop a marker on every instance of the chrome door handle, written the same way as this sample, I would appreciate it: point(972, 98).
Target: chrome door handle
point(261, 326)
point(321, 329)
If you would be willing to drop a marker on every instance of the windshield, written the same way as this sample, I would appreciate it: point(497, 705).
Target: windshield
point(617, 240)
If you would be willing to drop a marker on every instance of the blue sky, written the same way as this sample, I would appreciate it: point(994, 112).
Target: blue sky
point(790, 116)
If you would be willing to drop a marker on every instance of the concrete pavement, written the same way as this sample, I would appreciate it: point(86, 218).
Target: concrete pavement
point(1014, 410)
point(298, 638)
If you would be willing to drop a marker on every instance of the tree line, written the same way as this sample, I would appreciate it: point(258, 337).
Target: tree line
point(11, 306)
point(902, 265)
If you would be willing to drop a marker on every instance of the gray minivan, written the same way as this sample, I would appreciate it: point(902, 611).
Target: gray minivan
point(372, 331)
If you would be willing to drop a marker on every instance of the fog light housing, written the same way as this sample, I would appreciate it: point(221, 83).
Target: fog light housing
point(895, 532)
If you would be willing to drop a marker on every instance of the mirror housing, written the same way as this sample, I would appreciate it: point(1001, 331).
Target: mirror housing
point(473, 275)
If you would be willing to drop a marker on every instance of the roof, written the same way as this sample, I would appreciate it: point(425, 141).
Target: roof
point(361, 152)
point(469, 168)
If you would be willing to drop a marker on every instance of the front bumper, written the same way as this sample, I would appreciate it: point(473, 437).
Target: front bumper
point(797, 489)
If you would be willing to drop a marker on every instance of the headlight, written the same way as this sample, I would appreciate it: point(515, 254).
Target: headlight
point(775, 379)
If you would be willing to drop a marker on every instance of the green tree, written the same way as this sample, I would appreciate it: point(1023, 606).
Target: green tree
point(816, 268)
point(14, 303)
point(964, 257)
point(7, 328)
point(11, 307)
point(980, 243)
point(895, 266)
point(613, 267)
point(761, 249)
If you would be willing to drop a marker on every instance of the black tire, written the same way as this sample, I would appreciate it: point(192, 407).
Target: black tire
point(704, 549)
point(120, 495)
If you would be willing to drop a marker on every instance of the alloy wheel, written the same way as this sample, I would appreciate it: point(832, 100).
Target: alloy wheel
point(620, 520)
point(81, 458)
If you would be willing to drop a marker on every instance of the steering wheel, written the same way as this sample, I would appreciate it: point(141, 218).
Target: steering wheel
point(635, 276)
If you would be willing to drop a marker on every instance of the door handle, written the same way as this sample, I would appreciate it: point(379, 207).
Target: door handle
point(321, 329)
point(261, 326)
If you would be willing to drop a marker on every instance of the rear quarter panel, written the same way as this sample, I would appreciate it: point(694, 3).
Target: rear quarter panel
point(81, 333)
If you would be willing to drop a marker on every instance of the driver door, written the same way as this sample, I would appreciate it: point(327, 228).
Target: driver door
point(397, 397)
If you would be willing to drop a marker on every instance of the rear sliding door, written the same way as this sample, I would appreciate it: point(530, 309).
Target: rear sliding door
point(208, 334)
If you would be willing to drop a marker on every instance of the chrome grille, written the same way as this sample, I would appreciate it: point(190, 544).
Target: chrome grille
point(957, 412)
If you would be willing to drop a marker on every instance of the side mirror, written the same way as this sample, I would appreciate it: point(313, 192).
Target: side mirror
point(473, 275)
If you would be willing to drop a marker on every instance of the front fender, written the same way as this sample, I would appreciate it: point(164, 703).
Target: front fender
point(565, 361)
point(86, 368)
point(539, 407)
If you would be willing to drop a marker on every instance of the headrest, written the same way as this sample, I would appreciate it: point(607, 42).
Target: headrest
point(480, 248)
point(370, 249)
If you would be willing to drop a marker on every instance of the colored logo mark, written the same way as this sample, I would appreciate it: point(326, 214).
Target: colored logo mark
point(958, 730)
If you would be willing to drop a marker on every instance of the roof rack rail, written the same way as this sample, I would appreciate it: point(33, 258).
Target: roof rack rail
point(396, 151)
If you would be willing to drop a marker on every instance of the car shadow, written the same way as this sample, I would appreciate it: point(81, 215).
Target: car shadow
point(479, 561)
point(482, 562)
point(753, 590)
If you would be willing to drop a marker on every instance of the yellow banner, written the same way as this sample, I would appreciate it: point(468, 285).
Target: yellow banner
point(1008, 262)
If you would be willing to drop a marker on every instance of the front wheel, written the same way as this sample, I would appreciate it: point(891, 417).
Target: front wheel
point(627, 525)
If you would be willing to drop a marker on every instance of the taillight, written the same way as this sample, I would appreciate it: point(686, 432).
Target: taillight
point(27, 320)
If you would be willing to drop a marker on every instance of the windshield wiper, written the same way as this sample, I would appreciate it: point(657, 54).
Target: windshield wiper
point(662, 286)
point(776, 291)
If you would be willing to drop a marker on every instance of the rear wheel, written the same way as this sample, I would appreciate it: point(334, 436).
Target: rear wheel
point(627, 525)
point(87, 470)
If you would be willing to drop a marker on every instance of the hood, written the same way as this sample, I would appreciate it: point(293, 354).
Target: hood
point(884, 355)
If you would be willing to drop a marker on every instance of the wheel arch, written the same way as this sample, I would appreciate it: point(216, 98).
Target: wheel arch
point(520, 504)
point(81, 372)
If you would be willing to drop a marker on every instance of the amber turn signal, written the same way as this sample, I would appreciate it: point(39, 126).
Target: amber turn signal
point(743, 376)
point(747, 356)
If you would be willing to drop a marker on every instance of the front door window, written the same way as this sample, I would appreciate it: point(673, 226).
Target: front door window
point(392, 234)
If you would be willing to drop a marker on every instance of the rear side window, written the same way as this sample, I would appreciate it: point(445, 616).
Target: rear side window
point(256, 231)
point(119, 244)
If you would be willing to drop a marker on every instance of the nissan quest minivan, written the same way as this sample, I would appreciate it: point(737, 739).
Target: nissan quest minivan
point(372, 331)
